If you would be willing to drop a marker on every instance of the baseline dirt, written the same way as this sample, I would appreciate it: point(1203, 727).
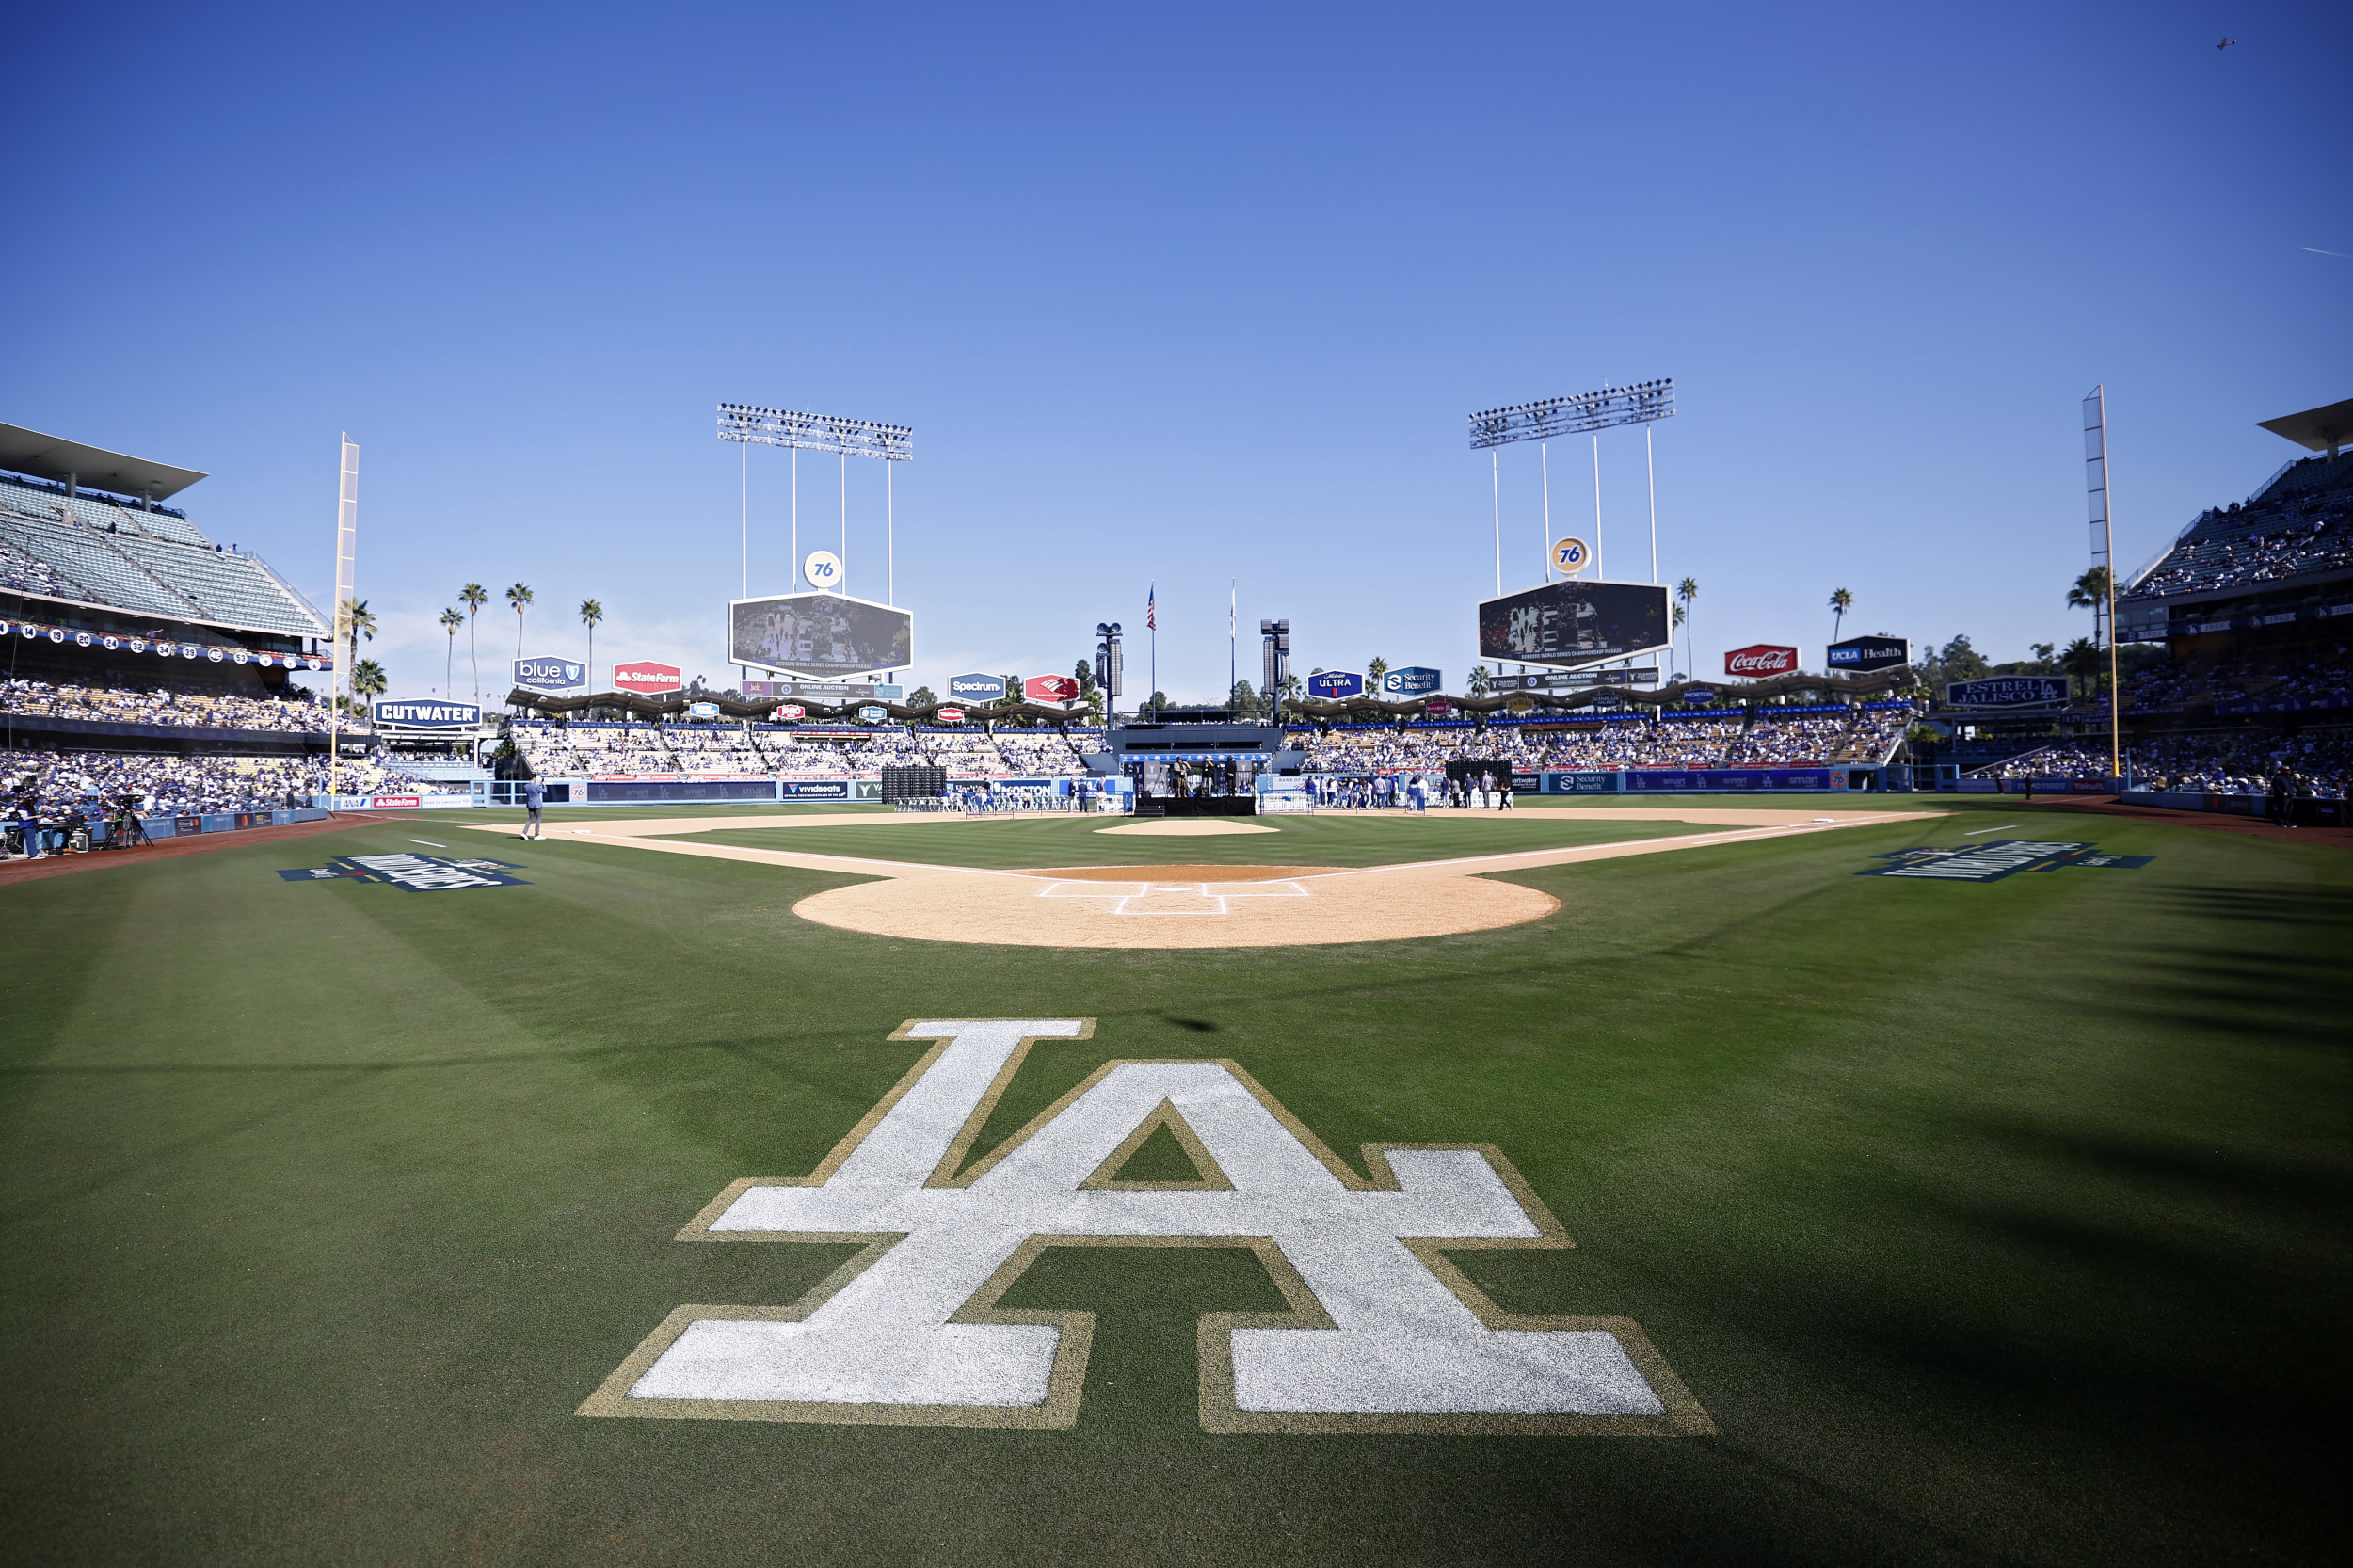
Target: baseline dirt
point(166, 848)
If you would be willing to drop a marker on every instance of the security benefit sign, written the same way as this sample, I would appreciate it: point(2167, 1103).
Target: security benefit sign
point(415, 873)
point(1992, 862)
point(1382, 1334)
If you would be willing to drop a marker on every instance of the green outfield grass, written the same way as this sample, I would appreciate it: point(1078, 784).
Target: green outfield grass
point(1991, 1224)
point(1334, 839)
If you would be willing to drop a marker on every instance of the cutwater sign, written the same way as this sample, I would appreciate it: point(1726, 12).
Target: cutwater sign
point(1412, 681)
point(977, 688)
point(2008, 691)
point(1994, 861)
point(426, 715)
point(414, 874)
point(1864, 654)
point(1332, 685)
point(550, 675)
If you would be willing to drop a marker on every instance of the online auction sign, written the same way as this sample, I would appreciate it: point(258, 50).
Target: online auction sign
point(1761, 659)
point(550, 675)
point(1332, 685)
point(648, 679)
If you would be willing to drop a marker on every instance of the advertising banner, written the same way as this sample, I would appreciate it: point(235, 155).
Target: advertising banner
point(818, 636)
point(1573, 624)
point(426, 715)
point(1050, 688)
point(702, 710)
point(1566, 783)
point(1409, 681)
point(977, 688)
point(1861, 655)
point(952, 715)
point(1332, 685)
point(648, 679)
point(1759, 660)
point(2008, 691)
point(815, 789)
point(1668, 779)
point(545, 673)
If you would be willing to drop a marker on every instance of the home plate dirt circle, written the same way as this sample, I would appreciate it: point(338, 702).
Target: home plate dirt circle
point(1189, 827)
point(1175, 906)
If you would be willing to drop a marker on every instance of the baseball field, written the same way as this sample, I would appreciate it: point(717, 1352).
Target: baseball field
point(1932, 1218)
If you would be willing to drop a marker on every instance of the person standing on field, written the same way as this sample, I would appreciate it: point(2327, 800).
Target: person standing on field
point(534, 798)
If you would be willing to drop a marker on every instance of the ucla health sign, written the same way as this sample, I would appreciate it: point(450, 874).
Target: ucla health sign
point(1332, 685)
point(1864, 654)
point(1412, 681)
point(977, 688)
point(550, 675)
point(426, 715)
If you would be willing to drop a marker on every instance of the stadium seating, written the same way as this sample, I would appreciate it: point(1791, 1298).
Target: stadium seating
point(2301, 521)
point(170, 785)
point(158, 706)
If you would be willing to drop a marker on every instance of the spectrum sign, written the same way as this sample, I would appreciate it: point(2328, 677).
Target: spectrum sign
point(977, 688)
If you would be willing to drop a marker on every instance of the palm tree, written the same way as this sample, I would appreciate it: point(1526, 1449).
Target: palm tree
point(473, 597)
point(2082, 660)
point(451, 621)
point(353, 621)
point(2091, 592)
point(1373, 672)
point(519, 600)
point(590, 613)
point(1479, 679)
point(367, 679)
point(1840, 602)
point(1685, 591)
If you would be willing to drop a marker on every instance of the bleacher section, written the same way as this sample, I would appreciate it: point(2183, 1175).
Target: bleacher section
point(93, 551)
point(1720, 738)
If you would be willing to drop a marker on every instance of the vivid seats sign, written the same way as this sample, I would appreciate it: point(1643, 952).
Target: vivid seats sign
point(648, 679)
point(1761, 659)
point(1050, 688)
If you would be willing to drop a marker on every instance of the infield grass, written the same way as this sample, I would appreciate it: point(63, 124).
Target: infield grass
point(1991, 1224)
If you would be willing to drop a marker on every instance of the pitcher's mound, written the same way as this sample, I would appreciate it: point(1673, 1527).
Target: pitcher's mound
point(1189, 827)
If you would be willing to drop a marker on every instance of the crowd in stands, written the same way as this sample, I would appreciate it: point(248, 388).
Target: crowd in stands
point(2224, 761)
point(1733, 739)
point(171, 785)
point(584, 750)
point(27, 573)
point(2301, 676)
point(158, 706)
point(2300, 522)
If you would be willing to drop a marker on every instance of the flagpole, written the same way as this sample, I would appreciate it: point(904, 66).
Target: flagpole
point(1233, 671)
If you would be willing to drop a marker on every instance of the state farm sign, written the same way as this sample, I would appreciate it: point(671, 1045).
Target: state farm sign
point(1050, 688)
point(1761, 659)
point(647, 678)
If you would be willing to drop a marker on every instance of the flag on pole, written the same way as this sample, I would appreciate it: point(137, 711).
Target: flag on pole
point(1150, 597)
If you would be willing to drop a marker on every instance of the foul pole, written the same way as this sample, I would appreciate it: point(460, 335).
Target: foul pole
point(346, 584)
point(2103, 555)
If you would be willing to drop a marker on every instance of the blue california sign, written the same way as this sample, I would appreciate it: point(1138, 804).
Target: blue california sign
point(426, 715)
point(1409, 681)
point(1332, 685)
point(550, 675)
point(977, 688)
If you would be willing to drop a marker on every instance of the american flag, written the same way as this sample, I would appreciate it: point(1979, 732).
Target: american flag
point(1150, 597)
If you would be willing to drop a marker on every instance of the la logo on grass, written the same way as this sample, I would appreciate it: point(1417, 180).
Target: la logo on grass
point(1382, 1333)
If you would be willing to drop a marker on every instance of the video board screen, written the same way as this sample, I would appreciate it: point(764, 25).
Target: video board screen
point(818, 636)
point(1574, 623)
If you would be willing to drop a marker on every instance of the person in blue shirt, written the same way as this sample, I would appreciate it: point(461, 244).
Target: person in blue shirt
point(535, 798)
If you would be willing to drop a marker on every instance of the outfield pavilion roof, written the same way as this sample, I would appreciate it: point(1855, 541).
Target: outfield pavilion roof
point(55, 457)
point(2322, 429)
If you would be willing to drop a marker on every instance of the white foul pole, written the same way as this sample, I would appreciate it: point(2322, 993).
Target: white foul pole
point(744, 492)
point(796, 519)
point(1599, 569)
point(1650, 468)
point(2103, 554)
point(890, 536)
point(845, 523)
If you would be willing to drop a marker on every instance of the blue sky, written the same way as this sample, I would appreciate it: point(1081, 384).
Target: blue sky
point(1181, 298)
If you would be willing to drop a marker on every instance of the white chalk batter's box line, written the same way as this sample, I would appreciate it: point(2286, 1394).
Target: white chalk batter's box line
point(1147, 890)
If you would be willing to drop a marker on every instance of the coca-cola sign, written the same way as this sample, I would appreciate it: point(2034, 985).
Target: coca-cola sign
point(1760, 659)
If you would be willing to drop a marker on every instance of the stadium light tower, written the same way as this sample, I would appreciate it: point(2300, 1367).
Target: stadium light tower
point(1644, 403)
point(847, 438)
point(1109, 675)
point(1275, 662)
